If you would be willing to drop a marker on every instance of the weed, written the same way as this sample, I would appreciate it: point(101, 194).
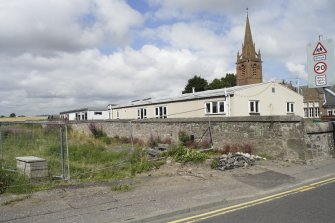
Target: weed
point(122, 188)
point(13, 182)
point(265, 155)
point(184, 138)
point(96, 131)
point(184, 155)
point(153, 141)
point(214, 164)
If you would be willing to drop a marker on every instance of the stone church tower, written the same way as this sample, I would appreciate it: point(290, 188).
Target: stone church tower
point(249, 63)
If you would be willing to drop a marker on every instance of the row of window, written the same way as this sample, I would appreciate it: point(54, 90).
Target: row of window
point(160, 112)
point(313, 112)
point(212, 107)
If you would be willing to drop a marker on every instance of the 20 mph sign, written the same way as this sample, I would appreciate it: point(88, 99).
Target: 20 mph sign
point(320, 64)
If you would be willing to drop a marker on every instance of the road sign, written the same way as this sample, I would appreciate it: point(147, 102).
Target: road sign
point(319, 49)
point(320, 64)
point(320, 67)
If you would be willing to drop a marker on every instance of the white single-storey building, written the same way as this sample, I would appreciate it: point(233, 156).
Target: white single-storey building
point(90, 113)
point(255, 99)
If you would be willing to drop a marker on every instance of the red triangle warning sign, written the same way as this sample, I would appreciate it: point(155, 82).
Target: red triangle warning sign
point(319, 49)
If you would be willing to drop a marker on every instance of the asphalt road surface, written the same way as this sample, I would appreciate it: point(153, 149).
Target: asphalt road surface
point(308, 204)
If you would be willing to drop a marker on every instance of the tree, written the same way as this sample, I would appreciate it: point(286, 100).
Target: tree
point(216, 84)
point(12, 115)
point(228, 81)
point(199, 83)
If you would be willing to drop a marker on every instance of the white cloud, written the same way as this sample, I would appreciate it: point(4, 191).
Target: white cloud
point(297, 70)
point(71, 80)
point(41, 26)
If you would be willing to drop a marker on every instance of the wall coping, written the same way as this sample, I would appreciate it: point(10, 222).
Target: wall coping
point(290, 118)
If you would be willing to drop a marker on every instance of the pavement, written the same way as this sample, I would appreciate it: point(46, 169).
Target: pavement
point(169, 192)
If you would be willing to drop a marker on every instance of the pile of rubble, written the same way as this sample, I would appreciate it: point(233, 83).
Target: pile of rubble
point(231, 161)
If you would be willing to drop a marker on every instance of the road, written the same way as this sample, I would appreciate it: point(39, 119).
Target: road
point(311, 203)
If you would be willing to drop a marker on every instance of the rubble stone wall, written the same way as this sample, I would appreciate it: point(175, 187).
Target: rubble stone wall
point(276, 136)
point(319, 139)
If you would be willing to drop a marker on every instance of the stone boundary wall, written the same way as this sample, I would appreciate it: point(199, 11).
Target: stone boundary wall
point(319, 138)
point(283, 137)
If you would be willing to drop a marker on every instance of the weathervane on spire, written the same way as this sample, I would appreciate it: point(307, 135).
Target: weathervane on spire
point(247, 11)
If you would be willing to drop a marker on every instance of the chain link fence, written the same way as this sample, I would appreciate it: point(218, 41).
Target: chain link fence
point(71, 155)
point(46, 141)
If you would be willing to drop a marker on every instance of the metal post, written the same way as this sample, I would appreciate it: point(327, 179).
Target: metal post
point(67, 153)
point(62, 152)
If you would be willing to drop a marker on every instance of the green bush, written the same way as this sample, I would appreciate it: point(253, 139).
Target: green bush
point(183, 138)
point(184, 155)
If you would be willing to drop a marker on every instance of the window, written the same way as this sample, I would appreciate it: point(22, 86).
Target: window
point(141, 113)
point(306, 112)
point(330, 112)
point(254, 69)
point(161, 112)
point(97, 113)
point(254, 106)
point(311, 112)
point(290, 107)
point(317, 112)
point(243, 70)
point(215, 107)
point(85, 115)
point(117, 115)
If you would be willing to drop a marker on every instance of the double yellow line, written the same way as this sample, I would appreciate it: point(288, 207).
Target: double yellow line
point(233, 208)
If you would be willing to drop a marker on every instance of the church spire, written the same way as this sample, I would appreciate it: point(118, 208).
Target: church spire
point(249, 63)
point(248, 51)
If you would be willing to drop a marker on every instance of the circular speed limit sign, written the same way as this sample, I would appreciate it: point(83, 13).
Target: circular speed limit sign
point(320, 67)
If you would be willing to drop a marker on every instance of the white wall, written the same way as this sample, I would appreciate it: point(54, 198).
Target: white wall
point(91, 115)
point(183, 109)
point(270, 103)
point(72, 116)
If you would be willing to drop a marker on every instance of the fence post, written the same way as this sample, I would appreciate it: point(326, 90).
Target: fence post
point(131, 135)
point(67, 153)
point(62, 151)
point(1, 148)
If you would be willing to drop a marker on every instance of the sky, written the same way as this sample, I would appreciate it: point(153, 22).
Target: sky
point(58, 55)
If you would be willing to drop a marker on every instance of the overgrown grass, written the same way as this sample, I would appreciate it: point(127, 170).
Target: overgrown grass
point(13, 182)
point(92, 158)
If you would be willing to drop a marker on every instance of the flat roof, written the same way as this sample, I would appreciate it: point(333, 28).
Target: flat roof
point(190, 96)
point(84, 109)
